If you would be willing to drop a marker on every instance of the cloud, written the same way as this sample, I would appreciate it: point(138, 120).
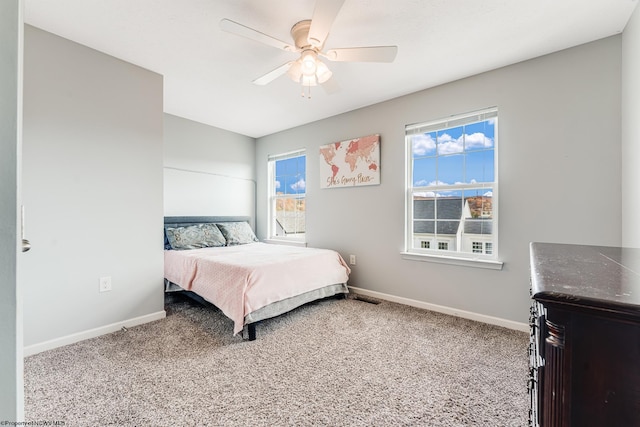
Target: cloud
point(449, 145)
point(440, 193)
point(277, 185)
point(451, 193)
point(424, 183)
point(478, 140)
point(423, 144)
point(425, 194)
point(301, 185)
point(488, 194)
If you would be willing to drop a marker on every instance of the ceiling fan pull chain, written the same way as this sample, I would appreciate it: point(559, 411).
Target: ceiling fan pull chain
point(308, 95)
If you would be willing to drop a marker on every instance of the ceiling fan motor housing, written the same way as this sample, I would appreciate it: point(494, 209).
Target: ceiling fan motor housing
point(300, 35)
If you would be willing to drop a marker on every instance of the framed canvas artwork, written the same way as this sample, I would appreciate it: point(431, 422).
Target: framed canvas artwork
point(350, 163)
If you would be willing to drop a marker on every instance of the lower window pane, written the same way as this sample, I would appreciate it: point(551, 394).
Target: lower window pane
point(290, 216)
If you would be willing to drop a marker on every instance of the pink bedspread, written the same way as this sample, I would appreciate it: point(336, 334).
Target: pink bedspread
point(241, 279)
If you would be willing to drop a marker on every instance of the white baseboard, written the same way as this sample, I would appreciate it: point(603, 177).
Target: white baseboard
point(509, 324)
point(92, 333)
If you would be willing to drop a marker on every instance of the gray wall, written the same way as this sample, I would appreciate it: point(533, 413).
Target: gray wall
point(207, 171)
point(11, 43)
point(559, 163)
point(631, 132)
point(93, 146)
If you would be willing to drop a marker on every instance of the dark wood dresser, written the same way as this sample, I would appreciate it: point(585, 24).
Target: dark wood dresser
point(585, 336)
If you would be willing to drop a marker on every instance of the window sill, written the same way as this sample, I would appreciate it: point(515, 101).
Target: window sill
point(285, 242)
point(451, 260)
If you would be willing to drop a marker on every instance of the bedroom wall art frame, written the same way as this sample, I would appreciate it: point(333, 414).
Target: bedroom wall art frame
point(350, 163)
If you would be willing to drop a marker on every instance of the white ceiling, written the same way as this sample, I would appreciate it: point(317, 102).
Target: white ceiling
point(208, 72)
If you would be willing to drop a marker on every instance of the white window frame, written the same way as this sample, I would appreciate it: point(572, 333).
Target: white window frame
point(273, 197)
point(414, 252)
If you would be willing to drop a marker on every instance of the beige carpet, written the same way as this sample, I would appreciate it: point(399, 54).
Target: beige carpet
point(329, 363)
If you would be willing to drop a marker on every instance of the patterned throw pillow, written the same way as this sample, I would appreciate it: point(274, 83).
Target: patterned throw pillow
point(237, 233)
point(195, 236)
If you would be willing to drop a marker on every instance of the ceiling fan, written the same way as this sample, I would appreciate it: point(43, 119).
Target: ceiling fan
point(309, 37)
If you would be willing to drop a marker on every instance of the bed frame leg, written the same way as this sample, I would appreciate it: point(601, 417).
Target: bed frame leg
point(252, 331)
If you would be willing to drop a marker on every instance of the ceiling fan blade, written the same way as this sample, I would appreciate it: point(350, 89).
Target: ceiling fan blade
point(324, 14)
point(244, 31)
point(363, 54)
point(272, 75)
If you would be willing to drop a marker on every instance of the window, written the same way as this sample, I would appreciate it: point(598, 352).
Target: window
point(425, 244)
point(287, 190)
point(452, 186)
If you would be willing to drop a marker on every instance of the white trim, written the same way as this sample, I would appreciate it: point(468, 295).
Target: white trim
point(509, 324)
point(92, 333)
point(454, 260)
point(453, 121)
point(288, 155)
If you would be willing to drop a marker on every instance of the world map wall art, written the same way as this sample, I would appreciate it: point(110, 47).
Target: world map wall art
point(350, 163)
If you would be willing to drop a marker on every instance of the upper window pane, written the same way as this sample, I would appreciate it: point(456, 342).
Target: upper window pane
point(290, 176)
point(462, 154)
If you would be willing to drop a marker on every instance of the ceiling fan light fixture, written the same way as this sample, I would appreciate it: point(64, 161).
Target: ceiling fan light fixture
point(295, 71)
point(309, 62)
point(323, 73)
point(308, 81)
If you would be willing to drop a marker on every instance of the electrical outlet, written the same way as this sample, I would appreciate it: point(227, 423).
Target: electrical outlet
point(105, 284)
point(352, 259)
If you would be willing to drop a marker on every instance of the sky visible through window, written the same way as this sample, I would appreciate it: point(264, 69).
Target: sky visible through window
point(457, 155)
point(291, 176)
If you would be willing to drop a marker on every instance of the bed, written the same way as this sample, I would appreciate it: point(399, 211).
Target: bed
point(220, 260)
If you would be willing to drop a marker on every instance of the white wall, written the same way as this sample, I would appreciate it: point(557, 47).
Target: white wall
point(92, 190)
point(559, 155)
point(11, 43)
point(207, 171)
point(631, 132)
